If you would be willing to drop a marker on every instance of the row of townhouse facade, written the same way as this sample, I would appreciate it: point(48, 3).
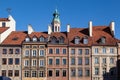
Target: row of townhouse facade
point(91, 53)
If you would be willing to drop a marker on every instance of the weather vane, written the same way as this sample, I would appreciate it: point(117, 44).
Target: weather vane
point(9, 10)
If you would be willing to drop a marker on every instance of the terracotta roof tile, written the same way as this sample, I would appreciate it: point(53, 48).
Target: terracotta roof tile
point(4, 19)
point(2, 29)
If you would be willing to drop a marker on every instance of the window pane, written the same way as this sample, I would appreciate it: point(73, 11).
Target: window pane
point(96, 60)
point(96, 50)
point(80, 51)
point(17, 61)
point(72, 61)
point(27, 73)
point(64, 61)
point(73, 72)
point(34, 53)
point(4, 61)
point(3, 72)
point(64, 51)
point(50, 73)
point(80, 73)
point(87, 72)
point(10, 62)
point(72, 51)
point(79, 61)
point(10, 73)
point(57, 73)
point(17, 51)
point(96, 71)
point(27, 53)
point(50, 51)
point(64, 73)
point(4, 51)
point(41, 63)
point(10, 51)
point(41, 52)
point(86, 51)
point(57, 51)
point(86, 61)
point(16, 73)
point(50, 61)
point(57, 62)
point(34, 73)
point(104, 50)
point(41, 74)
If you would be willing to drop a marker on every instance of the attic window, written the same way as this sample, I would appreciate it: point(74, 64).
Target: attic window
point(15, 38)
point(103, 40)
point(3, 24)
point(53, 40)
point(27, 39)
point(61, 39)
point(85, 40)
point(77, 40)
point(34, 39)
point(42, 39)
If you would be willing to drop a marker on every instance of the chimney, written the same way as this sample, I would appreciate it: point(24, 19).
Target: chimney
point(112, 28)
point(49, 29)
point(68, 27)
point(90, 28)
point(30, 29)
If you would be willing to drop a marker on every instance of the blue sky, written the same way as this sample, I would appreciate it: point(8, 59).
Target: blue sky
point(77, 13)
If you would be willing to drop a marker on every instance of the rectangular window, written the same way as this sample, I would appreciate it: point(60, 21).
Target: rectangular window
point(41, 53)
point(64, 61)
point(27, 73)
point(3, 24)
point(3, 72)
point(80, 51)
point(4, 51)
point(10, 61)
point(64, 73)
point(41, 63)
point(112, 61)
point(57, 61)
point(104, 60)
point(17, 61)
point(96, 50)
point(57, 51)
point(87, 72)
point(96, 71)
point(16, 73)
point(57, 73)
point(17, 51)
point(4, 61)
point(27, 53)
point(34, 62)
point(73, 72)
point(86, 61)
point(50, 61)
point(96, 60)
point(41, 73)
point(50, 51)
point(112, 50)
point(10, 73)
point(50, 73)
point(34, 73)
point(72, 51)
point(79, 61)
point(80, 72)
point(10, 51)
point(72, 61)
point(104, 50)
point(86, 51)
point(26, 62)
point(104, 71)
point(34, 53)
point(64, 51)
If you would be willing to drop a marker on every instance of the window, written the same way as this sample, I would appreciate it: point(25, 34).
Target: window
point(86, 61)
point(10, 51)
point(4, 51)
point(55, 28)
point(34, 39)
point(103, 40)
point(27, 39)
point(54, 40)
point(111, 50)
point(26, 73)
point(16, 73)
point(3, 72)
point(85, 40)
point(72, 61)
point(50, 61)
point(80, 51)
point(77, 40)
point(42, 39)
point(64, 73)
point(57, 51)
point(64, 51)
point(96, 71)
point(27, 53)
point(41, 62)
point(34, 62)
point(50, 51)
point(50, 73)
point(72, 51)
point(26, 62)
point(4, 61)
point(57, 73)
point(64, 61)
point(61, 40)
point(17, 61)
point(80, 72)
point(10, 61)
point(57, 61)
point(104, 71)
point(79, 61)
point(10, 73)
point(104, 50)
point(87, 72)
point(34, 53)
point(111, 60)
point(3, 24)
point(104, 60)
point(86, 51)
point(41, 53)
point(73, 72)
point(17, 51)
point(41, 73)
point(34, 73)
point(96, 50)
point(96, 60)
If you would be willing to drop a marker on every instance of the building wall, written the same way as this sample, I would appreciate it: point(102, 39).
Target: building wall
point(105, 69)
point(76, 67)
point(12, 66)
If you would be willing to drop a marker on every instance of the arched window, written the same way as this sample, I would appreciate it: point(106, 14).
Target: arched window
point(77, 40)
point(103, 39)
point(53, 40)
point(34, 39)
point(27, 39)
point(61, 39)
point(42, 39)
point(85, 40)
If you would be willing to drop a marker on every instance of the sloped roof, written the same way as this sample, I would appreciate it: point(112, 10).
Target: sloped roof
point(4, 19)
point(2, 29)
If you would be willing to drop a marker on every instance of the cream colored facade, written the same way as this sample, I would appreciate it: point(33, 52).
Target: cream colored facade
point(104, 59)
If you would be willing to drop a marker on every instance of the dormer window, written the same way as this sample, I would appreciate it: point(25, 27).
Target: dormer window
point(53, 40)
point(42, 39)
point(3, 24)
point(103, 39)
point(61, 39)
point(77, 40)
point(85, 40)
point(34, 39)
point(27, 39)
